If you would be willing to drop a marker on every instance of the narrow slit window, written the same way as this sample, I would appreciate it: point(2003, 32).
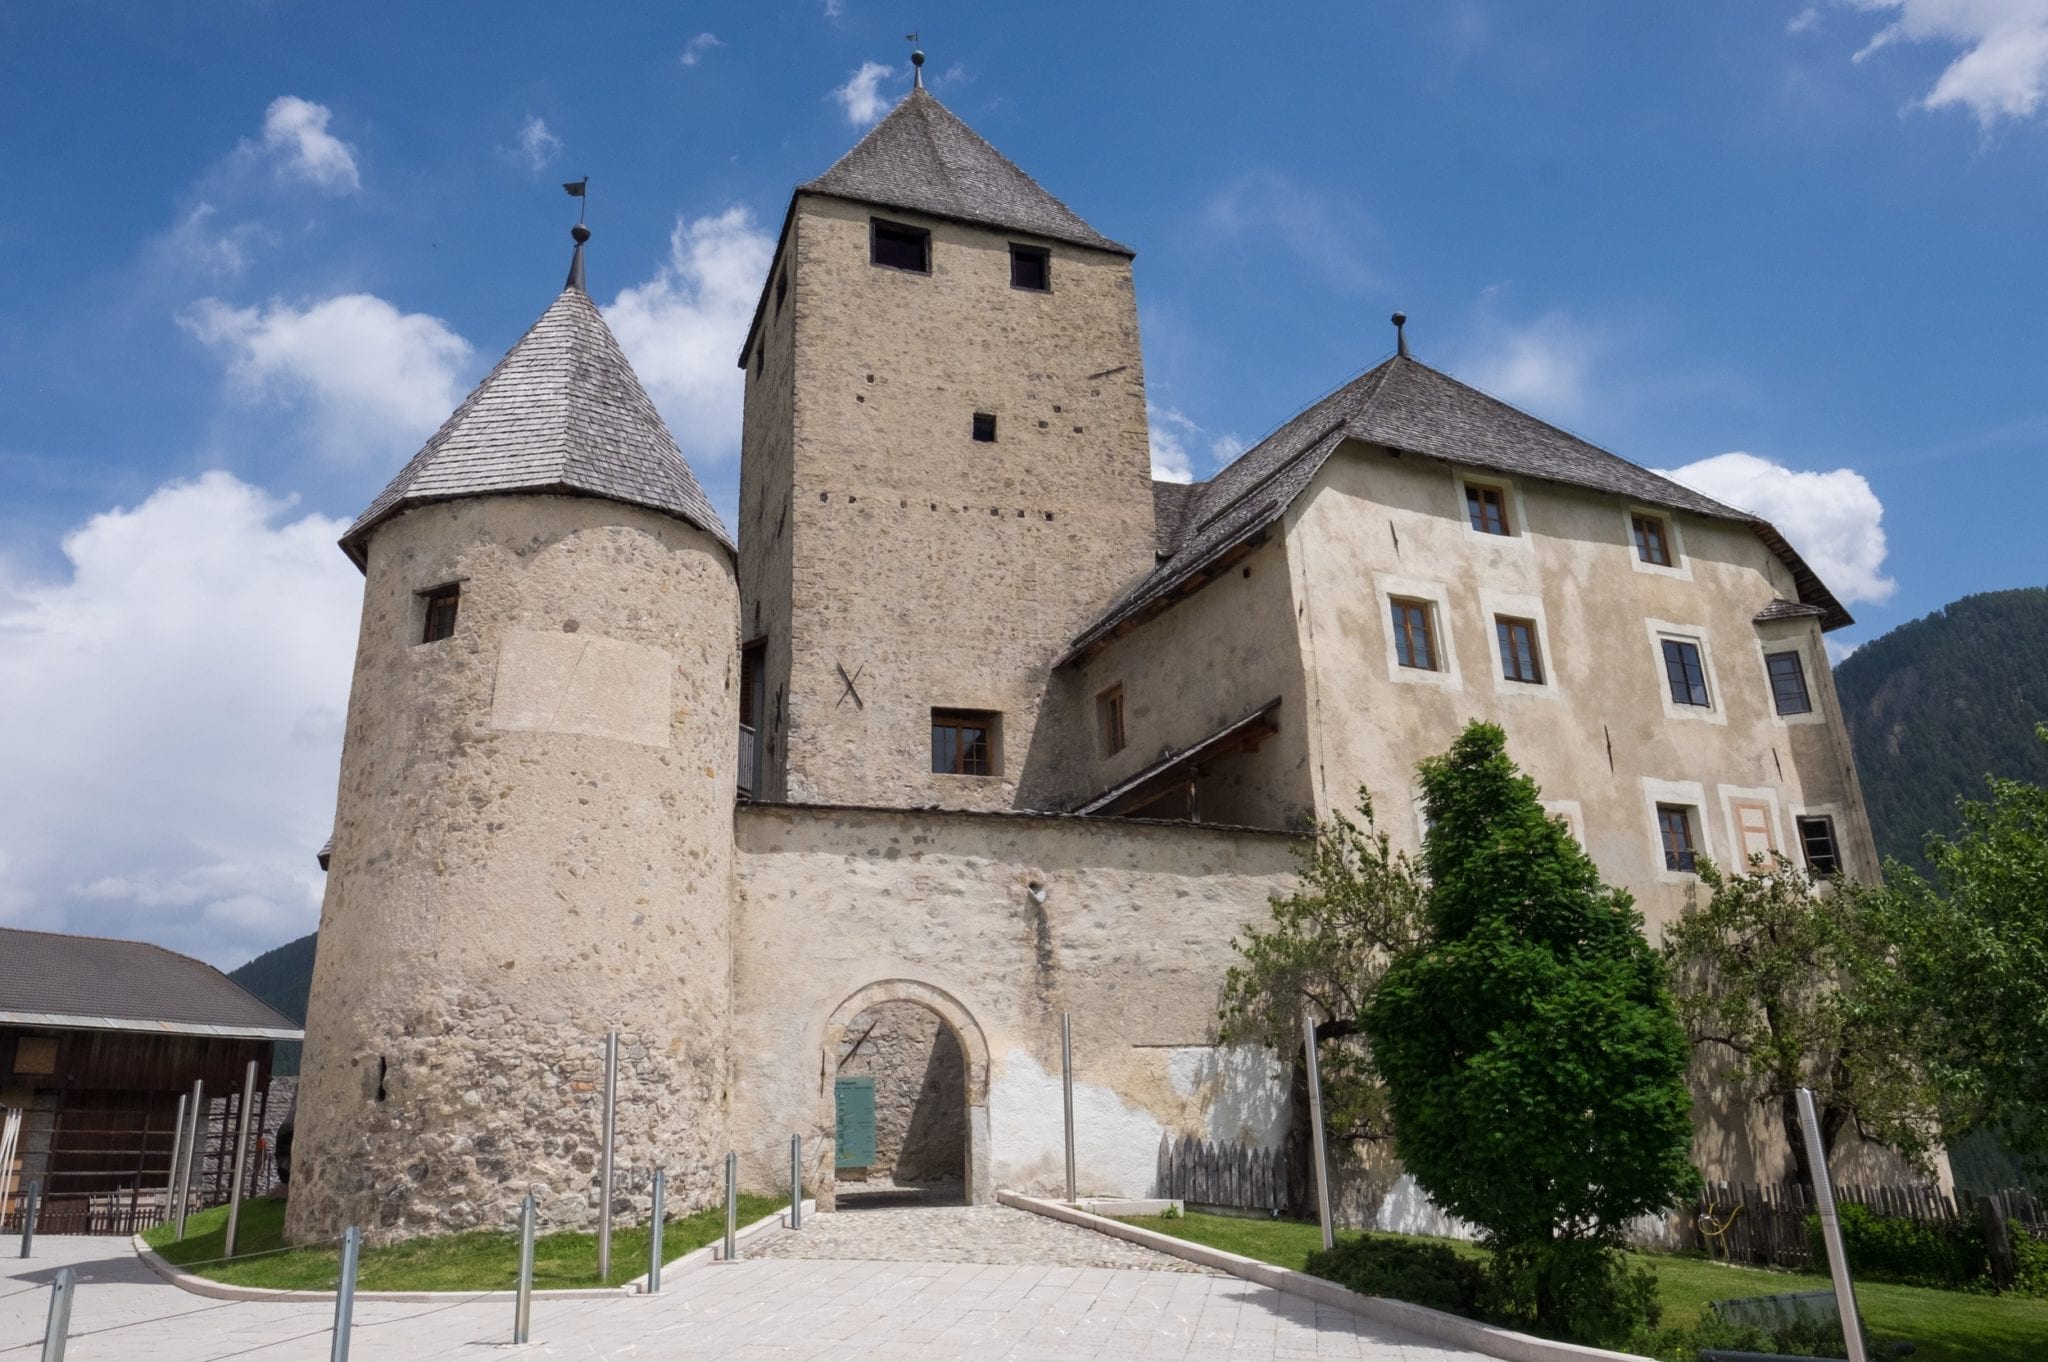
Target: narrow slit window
point(1487, 508)
point(781, 291)
point(895, 246)
point(1653, 540)
point(985, 427)
point(1520, 659)
point(1414, 636)
point(1685, 673)
point(964, 742)
point(1674, 830)
point(441, 604)
point(1031, 268)
point(1110, 705)
point(1788, 683)
point(1817, 840)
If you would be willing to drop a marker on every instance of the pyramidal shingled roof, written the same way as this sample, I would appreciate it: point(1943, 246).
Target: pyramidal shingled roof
point(562, 412)
point(923, 158)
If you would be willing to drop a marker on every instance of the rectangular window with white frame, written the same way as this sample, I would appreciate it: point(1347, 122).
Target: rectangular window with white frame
point(1656, 543)
point(1686, 683)
point(1674, 813)
point(1417, 618)
point(1817, 844)
point(1675, 824)
point(1788, 682)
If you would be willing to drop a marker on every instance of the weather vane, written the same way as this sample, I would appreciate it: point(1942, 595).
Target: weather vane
point(579, 189)
point(916, 61)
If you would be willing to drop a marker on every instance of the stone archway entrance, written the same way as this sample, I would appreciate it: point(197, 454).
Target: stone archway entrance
point(959, 1030)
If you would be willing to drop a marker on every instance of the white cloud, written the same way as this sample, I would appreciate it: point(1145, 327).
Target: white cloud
point(861, 97)
point(367, 376)
point(1321, 231)
point(1173, 433)
point(199, 239)
point(694, 50)
point(1806, 21)
point(174, 705)
point(1542, 366)
point(1833, 519)
point(2003, 69)
point(834, 8)
point(538, 145)
point(682, 329)
point(296, 130)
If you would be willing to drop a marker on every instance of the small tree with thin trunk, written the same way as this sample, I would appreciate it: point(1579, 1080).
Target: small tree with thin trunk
point(1324, 949)
point(1534, 1064)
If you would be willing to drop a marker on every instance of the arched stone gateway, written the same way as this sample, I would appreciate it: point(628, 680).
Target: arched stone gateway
point(978, 1175)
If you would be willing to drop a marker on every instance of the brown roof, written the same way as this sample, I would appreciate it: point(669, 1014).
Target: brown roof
point(98, 983)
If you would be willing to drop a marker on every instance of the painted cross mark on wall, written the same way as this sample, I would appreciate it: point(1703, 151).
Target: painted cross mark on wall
point(849, 680)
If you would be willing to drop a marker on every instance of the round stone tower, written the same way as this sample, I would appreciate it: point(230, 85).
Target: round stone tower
point(534, 829)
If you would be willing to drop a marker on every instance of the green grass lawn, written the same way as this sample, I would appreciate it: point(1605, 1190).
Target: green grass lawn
point(481, 1260)
point(1944, 1326)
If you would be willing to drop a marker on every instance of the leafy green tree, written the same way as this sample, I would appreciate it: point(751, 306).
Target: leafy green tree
point(1970, 951)
point(1359, 904)
point(1533, 1061)
point(1781, 982)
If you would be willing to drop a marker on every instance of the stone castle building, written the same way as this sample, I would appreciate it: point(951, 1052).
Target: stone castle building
point(977, 723)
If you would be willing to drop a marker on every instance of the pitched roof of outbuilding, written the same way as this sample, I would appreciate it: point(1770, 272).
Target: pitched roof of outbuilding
point(1403, 404)
point(562, 412)
point(101, 984)
point(923, 158)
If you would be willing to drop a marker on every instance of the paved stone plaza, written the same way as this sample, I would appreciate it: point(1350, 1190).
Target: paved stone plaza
point(763, 1309)
point(963, 1234)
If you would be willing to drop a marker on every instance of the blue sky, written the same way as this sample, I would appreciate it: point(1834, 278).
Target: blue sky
point(1793, 252)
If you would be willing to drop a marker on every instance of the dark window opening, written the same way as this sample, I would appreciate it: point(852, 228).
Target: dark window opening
point(1817, 840)
point(898, 247)
point(1487, 507)
point(1788, 683)
point(781, 291)
point(1031, 268)
point(1519, 658)
point(441, 604)
point(985, 427)
point(1652, 543)
point(1685, 673)
point(1111, 705)
point(753, 678)
point(1674, 829)
point(1414, 639)
point(761, 359)
point(964, 742)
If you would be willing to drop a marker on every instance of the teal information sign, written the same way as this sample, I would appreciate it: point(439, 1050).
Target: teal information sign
point(855, 1145)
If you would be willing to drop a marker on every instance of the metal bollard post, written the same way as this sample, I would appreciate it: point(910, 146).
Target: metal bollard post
point(656, 1209)
point(1315, 1127)
point(191, 1152)
point(732, 1206)
point(59, 1327)
point(604, 1177)
point(29, 1209)
point(177, 1155)
point(522, 1309)
point(345, 1294)
point(241, 1157)
point(1830, 1227)
point(1067, 1089)
point(796, 1182)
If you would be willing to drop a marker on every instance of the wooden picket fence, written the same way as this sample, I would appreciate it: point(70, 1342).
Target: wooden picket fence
point(1766, 1222)
point(1222, 1173)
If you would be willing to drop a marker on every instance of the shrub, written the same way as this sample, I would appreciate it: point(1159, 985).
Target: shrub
point(2030, 1258)
point(1580, 1289)
point(1898, 1248)
point(1399, 1269)
point(1795, 1338)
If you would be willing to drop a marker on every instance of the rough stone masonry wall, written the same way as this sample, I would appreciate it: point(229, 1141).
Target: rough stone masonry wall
point(920, 1092)
point(533, 843)
point(937, 570)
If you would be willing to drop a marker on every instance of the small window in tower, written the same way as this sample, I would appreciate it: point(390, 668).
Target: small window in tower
point(441, 603)
point(1110, 705)
point(1817, 840)
point(760, 358)
point(966, 742)
point(781, 291)
point(1653, 539)
point(898, 247)
point(1674, 831)
point(1487, 509)
point(1788, 683)
point(1031, 268)
point(985, 427)
point(1520, 657)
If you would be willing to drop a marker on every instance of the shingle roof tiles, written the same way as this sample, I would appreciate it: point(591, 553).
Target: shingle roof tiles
point(561, 412)
point(923, 158)
point(92, 976)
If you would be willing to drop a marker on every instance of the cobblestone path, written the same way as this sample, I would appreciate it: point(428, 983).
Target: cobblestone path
point(961, 1234)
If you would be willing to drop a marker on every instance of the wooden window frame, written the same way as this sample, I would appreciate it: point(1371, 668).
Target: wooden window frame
point(1805, 824)
point(1403, 625)
point(1487, 502)
point(880, 229)
point(1505, 628)
point(983, 434)
point(1681, 852)
point(1798, 676)
point(1109, 708)
point(959, 755)
point(434, 626)
point(1651, 532)
point(1042, 255)
point(1689, 683)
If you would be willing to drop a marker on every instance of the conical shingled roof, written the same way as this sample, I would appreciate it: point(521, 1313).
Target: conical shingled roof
point(923, 158)
point(562, 412)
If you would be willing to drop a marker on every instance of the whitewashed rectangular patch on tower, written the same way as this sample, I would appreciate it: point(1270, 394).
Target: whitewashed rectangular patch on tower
point(580, 683)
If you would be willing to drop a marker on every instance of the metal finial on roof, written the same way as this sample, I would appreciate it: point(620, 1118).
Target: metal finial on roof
point(916, 62)
point(579, 234)
point(1401, 334)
